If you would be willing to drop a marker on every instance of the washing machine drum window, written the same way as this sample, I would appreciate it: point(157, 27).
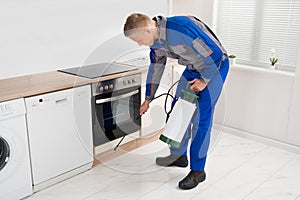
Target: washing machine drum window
point(4, 153)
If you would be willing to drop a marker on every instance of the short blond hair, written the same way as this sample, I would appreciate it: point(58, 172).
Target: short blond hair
point(135, 21)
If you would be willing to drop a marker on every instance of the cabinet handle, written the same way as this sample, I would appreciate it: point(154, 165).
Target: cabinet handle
point(99, 101)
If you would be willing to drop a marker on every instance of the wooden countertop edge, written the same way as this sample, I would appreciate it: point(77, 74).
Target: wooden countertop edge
point(26, 86)
point(41, 83)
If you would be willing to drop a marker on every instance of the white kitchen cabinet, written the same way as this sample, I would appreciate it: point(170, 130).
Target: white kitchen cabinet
point(154, 119)
point(293, 129)
point(257, 101)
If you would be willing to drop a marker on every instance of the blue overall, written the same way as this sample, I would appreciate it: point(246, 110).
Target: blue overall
point(200, 126)
point(195, 46)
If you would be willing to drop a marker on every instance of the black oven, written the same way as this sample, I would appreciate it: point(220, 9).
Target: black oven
point(115, 105)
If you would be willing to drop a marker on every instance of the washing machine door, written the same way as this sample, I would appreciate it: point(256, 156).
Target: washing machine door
point(4, 153)
point(15, 173)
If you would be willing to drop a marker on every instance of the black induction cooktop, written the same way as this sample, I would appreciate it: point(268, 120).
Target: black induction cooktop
point(98, 70)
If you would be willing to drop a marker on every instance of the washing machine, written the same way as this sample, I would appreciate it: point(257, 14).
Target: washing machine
point(15, 172)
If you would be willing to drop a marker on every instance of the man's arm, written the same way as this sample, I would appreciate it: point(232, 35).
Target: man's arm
point(155, 72)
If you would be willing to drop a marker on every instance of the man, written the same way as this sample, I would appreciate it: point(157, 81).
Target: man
point(190, 41)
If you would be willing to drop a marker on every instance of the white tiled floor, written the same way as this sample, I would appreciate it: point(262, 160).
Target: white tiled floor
point(237, 168)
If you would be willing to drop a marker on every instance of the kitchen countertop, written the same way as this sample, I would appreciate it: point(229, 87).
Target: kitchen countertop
point(35, 84)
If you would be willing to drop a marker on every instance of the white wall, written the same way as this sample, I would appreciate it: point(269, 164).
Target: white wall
point(203, 9)
point(44, 35)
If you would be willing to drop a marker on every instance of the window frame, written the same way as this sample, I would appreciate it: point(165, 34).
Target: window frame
point(257, 37)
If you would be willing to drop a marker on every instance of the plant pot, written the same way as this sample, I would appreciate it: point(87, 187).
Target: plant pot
point(232, 61)
point(272, 67)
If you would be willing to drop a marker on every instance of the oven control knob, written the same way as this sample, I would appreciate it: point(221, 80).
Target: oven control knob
point(101, 89)
point(111, 86)
point(106, 87)
point(124, 82)
point(129, 81)
point(133, 81)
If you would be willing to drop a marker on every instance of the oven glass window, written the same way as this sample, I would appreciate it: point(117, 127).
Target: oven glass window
point(4, 153)
point(121, 111)
point(116, 113)
point(117, 117)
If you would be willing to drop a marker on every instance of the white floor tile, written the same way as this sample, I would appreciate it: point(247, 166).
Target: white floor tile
point(242, 181)
point(284, 184)
point(170, 190)
point(140, 160)
point(135, 186)
point(213, 193)
point(81, 186)
point(237, 168)
point(271, 159)
point(231, 153)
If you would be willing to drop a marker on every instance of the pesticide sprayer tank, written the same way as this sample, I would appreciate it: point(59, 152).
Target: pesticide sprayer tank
point(178, 122)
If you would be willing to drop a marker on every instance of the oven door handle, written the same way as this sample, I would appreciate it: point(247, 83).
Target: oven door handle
point(99, 101)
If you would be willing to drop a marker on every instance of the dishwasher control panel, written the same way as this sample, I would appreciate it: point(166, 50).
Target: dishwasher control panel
point(53, 99)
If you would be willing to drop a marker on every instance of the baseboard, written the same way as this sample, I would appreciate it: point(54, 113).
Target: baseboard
point(62, 177)
point(126, 147)
point(258, 138)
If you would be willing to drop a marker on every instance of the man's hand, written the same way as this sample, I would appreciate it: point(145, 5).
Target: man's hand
point(144, 107)
point(197, 85)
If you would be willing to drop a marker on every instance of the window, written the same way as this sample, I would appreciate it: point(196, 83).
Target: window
point(250, 29)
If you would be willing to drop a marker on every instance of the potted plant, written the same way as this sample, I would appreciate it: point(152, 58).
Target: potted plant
point(232, 59)
point(273, 58)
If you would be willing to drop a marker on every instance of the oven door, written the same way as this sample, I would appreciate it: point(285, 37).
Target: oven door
point(116, 114)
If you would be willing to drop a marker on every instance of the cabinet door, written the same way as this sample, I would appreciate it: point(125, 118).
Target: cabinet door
point(293, 129)
point(154, 119)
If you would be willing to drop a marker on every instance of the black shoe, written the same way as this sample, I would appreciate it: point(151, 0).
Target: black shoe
point(172, 160)
point(192, 180)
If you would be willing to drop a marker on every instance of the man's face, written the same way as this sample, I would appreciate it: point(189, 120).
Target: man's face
point(142, 37)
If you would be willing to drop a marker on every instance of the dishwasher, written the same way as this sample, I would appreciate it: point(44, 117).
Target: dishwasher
point(60, 135)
